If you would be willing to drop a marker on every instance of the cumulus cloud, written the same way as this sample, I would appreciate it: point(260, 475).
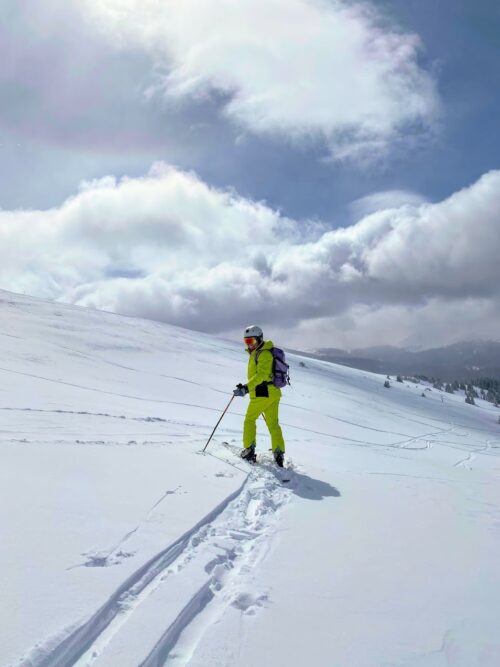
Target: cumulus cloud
point(335, 71)
point(169, 247)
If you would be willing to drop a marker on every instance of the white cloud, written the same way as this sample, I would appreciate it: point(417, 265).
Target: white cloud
point(168, 246)
point(334, 71)
point(438, 321)
point(380, 201)
point(450, 248)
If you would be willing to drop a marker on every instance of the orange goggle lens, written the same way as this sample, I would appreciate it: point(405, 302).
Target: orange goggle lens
point(250, 341)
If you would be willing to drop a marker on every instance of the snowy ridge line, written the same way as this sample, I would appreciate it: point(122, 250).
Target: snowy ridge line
point(67, 652)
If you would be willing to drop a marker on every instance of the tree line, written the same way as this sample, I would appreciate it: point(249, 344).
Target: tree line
point(486, 388)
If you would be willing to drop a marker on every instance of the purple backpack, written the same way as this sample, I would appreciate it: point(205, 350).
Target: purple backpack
point(280, 374)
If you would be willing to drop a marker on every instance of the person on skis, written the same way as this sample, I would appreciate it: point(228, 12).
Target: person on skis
point(264, 395)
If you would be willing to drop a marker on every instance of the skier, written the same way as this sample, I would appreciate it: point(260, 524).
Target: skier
point(264, 396)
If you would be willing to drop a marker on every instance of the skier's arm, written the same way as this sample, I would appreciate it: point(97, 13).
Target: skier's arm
point(263, 370)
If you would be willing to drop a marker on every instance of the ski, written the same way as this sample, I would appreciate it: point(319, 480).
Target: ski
point(280, 472)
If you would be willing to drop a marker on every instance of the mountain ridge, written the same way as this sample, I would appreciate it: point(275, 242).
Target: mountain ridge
point(463, 360)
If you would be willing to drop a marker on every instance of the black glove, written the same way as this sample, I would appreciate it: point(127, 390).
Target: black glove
point(241, 390)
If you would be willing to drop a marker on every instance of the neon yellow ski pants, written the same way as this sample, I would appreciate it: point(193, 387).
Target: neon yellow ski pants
point(269, 408)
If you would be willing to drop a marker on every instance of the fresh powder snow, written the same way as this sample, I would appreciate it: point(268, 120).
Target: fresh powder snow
point(122, 545)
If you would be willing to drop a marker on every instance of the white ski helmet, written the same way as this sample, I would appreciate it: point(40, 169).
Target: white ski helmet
point(253, 331)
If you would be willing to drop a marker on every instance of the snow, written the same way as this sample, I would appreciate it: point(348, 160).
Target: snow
point(124, 546)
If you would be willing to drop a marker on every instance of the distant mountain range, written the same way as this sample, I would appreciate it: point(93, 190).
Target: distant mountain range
point(460, 361)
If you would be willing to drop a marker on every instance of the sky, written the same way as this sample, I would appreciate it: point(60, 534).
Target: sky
point(327, 169)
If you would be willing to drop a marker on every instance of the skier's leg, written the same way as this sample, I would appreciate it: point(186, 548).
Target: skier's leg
point(255, 408)
point(271, 415)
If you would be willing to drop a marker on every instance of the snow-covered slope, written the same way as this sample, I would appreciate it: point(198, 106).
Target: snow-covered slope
point(123, 546)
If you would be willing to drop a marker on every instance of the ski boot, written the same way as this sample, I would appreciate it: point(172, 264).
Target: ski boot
point(248, 453)
point(279, 457)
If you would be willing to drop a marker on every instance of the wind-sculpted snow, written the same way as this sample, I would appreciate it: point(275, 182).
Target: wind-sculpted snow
point(123, 546)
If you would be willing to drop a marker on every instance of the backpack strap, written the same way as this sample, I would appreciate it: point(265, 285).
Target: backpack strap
point(258, 351)
point(257, 355)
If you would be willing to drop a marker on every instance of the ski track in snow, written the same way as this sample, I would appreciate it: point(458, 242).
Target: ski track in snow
point(148, 399)
point(226, 544)
point(91, 414)
point(472, 456)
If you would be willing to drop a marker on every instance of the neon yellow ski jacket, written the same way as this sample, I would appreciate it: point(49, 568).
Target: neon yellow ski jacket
point(260, 373)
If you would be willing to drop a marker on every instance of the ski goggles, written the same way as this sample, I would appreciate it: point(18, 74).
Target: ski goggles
point(249, 342)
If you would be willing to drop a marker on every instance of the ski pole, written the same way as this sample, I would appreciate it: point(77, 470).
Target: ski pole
point(220, 419)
